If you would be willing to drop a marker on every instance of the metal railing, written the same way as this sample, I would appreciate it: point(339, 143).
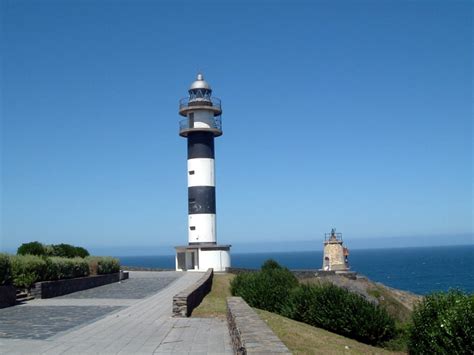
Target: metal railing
point(332, 236)
point(214, 123)
point(186, 102)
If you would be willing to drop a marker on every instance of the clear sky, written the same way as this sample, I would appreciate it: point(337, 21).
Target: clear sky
point(348, 114)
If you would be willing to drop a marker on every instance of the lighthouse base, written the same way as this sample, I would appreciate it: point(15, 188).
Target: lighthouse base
point(200, 257)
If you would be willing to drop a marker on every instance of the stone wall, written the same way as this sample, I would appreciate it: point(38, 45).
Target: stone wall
point(335, 252)
point(248, 332)
point(185, 301)
point(7, 296)
point(49, 289)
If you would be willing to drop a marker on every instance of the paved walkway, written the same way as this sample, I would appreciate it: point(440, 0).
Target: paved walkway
point(135, 318)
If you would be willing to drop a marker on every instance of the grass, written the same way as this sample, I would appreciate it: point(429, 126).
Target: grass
point(394, 307)
point(300, 338)
point(214, 304)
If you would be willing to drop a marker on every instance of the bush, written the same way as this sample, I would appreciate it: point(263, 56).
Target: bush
point(68, 251)
point(269, 265)
point(32, 248)
point(443, 324)
point(267, 289)
point(66, 268)
point(61, 250)
point(27, 269)
point(100, 265)
point(5, 270)
point(81, 252)
point(340, 311)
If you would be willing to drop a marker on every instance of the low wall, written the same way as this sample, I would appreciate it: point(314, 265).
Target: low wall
point(49, 289)
point(7, 296)
point(249, 333)
point(300, 273)
point(185, 301)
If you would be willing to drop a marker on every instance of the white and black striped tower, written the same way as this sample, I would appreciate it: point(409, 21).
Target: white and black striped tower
point(202, 123)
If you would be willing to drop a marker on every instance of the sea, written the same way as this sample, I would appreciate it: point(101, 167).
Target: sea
point(421, 270)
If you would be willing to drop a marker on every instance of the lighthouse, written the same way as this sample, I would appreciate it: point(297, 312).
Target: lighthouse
point(202, 123)
point(336, 255)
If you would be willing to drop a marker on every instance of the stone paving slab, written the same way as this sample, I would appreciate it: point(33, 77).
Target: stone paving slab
point(144, 327)
point(84, 302)
point(27, 322)
point(140, 286)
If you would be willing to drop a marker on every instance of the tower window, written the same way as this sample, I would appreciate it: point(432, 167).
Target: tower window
point(191, 172)
point(193, 228)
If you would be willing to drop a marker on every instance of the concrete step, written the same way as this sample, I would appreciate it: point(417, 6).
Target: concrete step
point(22, 296)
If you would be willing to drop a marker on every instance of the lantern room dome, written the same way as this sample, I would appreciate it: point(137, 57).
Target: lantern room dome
point(200, 83)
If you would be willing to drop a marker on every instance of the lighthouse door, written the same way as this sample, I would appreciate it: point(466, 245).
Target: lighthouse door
point(326, 263)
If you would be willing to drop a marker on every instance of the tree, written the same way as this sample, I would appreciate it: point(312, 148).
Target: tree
point(32, 248)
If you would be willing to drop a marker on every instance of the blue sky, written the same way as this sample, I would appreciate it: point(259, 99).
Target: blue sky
point(354, 115)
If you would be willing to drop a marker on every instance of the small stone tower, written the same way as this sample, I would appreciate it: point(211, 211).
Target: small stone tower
point(202, 123)
point(335, 254)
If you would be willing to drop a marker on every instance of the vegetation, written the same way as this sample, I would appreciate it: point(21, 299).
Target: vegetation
point(275, 289)
point(68, 251)
point(65, 268)
point(103, 265)
point(5, 270)
point(27, 269)
point(302, 338)
point(340, 311)
point(24, 270)
point(267, 289)
point(399, 311)
point(32, 248)
point(214, 304)
point(443, 324)
point(61, 250)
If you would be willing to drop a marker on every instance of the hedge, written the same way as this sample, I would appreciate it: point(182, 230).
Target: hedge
point(27, 269)
point(443, 324)
point(5, 270)
point(66, 268)
point(100, 265)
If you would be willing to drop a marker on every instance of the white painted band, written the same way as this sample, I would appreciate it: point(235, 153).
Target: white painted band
point(201, 172)
point(202, 228)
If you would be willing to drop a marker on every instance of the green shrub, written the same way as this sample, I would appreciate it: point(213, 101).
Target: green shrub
point(81, 252)
point(108, 265)
point(100, 265)
point(270, 264)
point(66, 268)
point(61, 250)
point(443, 324)
point(27, 269)
point(5, 270)
point(340, 311)
point(267, 289)
point(68, 251)
point(32, 248)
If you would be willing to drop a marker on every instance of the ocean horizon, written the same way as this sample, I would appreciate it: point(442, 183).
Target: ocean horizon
point(420, 270)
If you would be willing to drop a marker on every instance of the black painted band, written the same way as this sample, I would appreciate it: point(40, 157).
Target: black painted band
point(200, 145)
point(201, 199)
